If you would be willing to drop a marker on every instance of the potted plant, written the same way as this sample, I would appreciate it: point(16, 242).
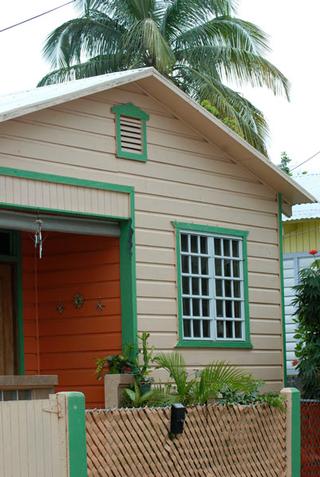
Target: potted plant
point(117, 372)
point(143, 364)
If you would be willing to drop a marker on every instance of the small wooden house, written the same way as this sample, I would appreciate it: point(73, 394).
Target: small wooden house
point(301, 234)
point(125, 206)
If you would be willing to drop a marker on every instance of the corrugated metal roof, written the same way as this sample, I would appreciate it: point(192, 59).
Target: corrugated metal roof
point(171, 97)
point(23, 102)
point(311, 183)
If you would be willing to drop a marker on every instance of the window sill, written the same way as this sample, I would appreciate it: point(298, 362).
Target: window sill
point(214, 344)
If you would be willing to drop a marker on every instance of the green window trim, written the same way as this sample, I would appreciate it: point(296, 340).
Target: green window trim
point(201, 343)
point(131, 111)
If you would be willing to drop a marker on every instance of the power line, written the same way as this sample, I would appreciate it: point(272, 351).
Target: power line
point(36, 16)
point(307, 160)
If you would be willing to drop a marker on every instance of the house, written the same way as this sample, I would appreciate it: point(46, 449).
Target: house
point(301, 234)
point(126, 206)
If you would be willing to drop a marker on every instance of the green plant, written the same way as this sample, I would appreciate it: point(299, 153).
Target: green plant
point(200, 45)
point(307, 303)
point(207, 384)
point(115, 364)
point(143, 362)
point(232, 397)
point(158, 396)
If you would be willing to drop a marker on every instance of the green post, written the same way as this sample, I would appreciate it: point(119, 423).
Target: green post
point(292, 396)
point(77, 434)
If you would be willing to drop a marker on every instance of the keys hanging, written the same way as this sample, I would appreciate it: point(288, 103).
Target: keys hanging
point(38, 240)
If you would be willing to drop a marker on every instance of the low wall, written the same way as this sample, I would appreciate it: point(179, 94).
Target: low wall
point(234, 441)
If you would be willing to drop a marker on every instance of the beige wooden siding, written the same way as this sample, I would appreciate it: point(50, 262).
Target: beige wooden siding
point(47, 195)
point(185, 179)
point(33, 438)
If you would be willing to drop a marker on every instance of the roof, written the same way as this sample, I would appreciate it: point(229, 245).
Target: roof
point(310, 182)
point(184, 107)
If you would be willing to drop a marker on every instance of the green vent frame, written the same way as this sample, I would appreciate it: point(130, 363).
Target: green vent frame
point(131, 111)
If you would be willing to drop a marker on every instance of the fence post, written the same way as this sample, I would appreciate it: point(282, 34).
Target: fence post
point(292, 396)
point(76, 428)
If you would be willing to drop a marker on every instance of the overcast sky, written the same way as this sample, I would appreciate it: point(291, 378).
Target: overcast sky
point(294, 38)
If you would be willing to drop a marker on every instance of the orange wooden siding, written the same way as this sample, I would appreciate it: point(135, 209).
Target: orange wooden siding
point(70, 342)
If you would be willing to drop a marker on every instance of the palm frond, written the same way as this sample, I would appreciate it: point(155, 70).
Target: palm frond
point(96, 66)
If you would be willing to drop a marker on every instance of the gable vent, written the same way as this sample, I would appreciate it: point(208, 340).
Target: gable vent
point(131, 135)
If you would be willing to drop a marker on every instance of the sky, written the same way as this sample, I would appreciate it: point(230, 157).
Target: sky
point(294, 39)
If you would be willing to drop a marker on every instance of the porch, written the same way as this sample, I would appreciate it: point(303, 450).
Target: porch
point(60, 302)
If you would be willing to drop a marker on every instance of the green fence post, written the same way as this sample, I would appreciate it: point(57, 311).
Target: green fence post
point(292, 396)
point(76, 434)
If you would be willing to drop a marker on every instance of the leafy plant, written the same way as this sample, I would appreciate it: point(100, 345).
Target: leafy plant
point(136, 398)
point(231, 397)
point(143, 366)
point(175, 365)
point(115, 364)
point(200, 45)
point(207, 384)
point(307, 303)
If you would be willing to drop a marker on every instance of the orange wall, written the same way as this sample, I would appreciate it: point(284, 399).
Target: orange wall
point(71, 341)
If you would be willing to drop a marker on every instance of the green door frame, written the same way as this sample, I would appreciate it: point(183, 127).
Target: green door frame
point(127, 251)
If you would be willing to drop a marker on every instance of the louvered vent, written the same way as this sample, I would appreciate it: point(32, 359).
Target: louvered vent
point(131, 135)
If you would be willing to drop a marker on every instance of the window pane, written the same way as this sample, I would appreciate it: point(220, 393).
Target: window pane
point(185, 263)
point(195, 286)
point(219, 307)
point(186, 306)
point(226, 248)
point(229, 329)
point(236, 269)
point(204, 244)
point(220, 329)
point(206, 328)
point(184, 242)
point(205, 308)
point(217, 246)
point(196, 307)
point(205, 286)
point(194, 243)
point(218, 267)
point(228, 309)
point(237, 309)
point(238, 329)
point(185, 285)
point(5, 243)
point(227, 268)
point(187, 328)
point(227, 288)
point(204, 266)
point(236, 289)
point(196, 328)
point(219, 284)
point(235, 248)
point(195, 265)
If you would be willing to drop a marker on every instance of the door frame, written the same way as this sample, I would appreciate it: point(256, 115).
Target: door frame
point(127, 252)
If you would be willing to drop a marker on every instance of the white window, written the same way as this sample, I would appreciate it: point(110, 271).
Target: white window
point(212, 287)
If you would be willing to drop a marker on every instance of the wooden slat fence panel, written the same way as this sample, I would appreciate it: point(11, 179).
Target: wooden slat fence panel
point(33, 438)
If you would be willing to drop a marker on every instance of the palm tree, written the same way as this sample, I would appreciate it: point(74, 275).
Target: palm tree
point(199, 44)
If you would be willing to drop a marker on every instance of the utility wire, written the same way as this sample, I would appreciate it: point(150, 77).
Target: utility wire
point(307, 160)
point(36, 16)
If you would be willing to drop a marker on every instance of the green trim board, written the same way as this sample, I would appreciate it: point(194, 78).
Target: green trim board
point(127, 251)
point(283, 316)
point(195, 343)
point(295, 433)
point(131, 111)
point(76, 434)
